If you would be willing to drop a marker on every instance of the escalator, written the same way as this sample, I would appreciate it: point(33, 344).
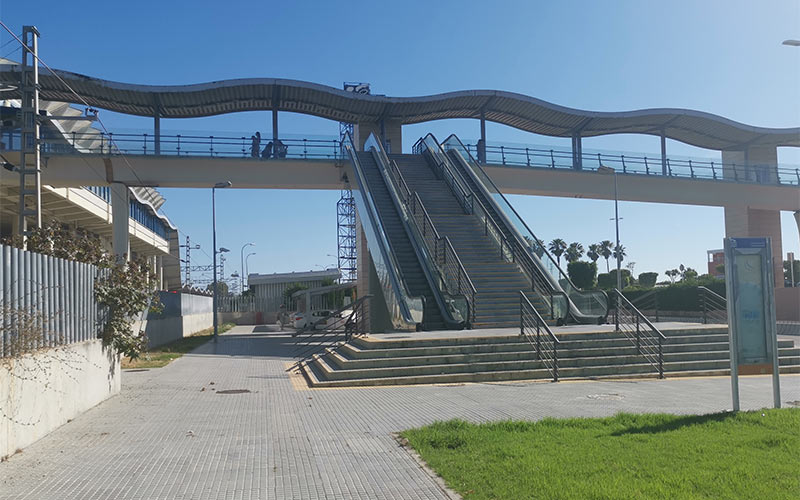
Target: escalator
point(411, 293)
point(584, 306)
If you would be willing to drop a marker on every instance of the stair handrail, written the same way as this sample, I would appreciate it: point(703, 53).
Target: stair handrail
point(531, 326)
point(562, 280)
point(399, 190)
point(405, 310)
point(647, 338)
point(461, 191)
point(330, 338)
point(557, 300)
point(714, 305)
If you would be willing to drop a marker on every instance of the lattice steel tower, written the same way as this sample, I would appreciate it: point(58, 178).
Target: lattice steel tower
point(346, 207)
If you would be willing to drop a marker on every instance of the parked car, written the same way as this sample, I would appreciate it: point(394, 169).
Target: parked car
point(303, 321)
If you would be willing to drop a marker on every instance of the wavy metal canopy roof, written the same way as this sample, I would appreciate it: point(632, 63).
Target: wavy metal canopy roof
point(516, 110)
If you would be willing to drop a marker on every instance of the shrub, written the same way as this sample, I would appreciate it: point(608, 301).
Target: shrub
point(648, 280)
point(607, 281)
point(677, 297)
point(583, 274)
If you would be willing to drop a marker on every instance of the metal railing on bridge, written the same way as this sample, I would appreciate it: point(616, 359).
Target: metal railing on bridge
point(638, 164)
point(192, 144)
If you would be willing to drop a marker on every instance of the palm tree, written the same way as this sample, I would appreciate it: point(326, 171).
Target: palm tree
point(594, 252)
point(619, 253)
point(605, 251)
point(574, 252)
point(557, 248)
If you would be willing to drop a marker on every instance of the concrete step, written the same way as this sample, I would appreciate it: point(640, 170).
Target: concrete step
point(317, 369)
point(518, 360)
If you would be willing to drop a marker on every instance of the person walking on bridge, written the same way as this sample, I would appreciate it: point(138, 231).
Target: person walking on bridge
point(255, 146)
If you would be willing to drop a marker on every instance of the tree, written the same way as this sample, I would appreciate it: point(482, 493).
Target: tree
point(222, 288)
point(594, 252)
point(619, 253)
point(606, 250)
point(689, 274)
point(574, 252)
point(583, 274)
point(672, 274)
point(290, 290)
point(557, 247)
point(630, 266)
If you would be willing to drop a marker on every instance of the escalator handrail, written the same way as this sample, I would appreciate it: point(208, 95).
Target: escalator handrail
point(405, 300)
point(463, 189)
point(423, 253)
point(562, 275)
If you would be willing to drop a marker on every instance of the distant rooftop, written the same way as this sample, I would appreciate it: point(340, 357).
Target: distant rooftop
point(293, 277)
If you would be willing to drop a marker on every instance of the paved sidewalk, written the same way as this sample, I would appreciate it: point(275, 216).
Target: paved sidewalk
point(170, 435)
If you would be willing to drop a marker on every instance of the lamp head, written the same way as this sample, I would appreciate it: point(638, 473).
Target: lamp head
point(223, 249)
point(221, 185)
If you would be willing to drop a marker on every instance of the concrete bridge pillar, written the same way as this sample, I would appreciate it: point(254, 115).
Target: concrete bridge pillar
point(746, 222)
point(391, 131)
point(120, 215)
point(755, 165)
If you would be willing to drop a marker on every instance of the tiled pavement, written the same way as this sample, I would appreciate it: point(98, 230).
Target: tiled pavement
point(170, 435)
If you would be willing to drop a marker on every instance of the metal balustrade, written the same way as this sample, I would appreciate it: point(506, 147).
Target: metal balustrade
point(535, 330)
point(648, 339)
point(639, 164)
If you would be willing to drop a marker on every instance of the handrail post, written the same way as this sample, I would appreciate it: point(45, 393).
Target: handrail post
point(503, 154)
point(646, 166)
point(655, 299)
point(703, 302)
point(624, 168)
point(660, 357)
point(616, 311)
point(538, 342)
point(521, 328)
point(638, 338)
point(555, 361)
point(179, 144)
point(691, 169)
point(713, 171)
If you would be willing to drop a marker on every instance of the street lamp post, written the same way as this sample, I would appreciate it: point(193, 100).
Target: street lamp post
point(219, 185)
point(608, 170)
point(241, 256)
point(246, 266)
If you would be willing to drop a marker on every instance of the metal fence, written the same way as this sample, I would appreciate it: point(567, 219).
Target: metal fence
point(45, 301)
point(235, 303)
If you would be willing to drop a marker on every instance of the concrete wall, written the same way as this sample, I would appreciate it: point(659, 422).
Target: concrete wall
point(42, 391)
point(165, 330)
point(183, 315)
point(244, 318)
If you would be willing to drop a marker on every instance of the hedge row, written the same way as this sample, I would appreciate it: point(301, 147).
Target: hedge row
point(677, 297)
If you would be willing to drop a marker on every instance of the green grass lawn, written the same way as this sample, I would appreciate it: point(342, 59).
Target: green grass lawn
point(163, 355)
point(726, 455)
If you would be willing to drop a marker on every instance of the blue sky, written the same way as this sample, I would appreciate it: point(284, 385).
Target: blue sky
point(723, 57)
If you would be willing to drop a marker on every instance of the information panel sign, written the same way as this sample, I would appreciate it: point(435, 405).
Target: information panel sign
point(750, 289)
